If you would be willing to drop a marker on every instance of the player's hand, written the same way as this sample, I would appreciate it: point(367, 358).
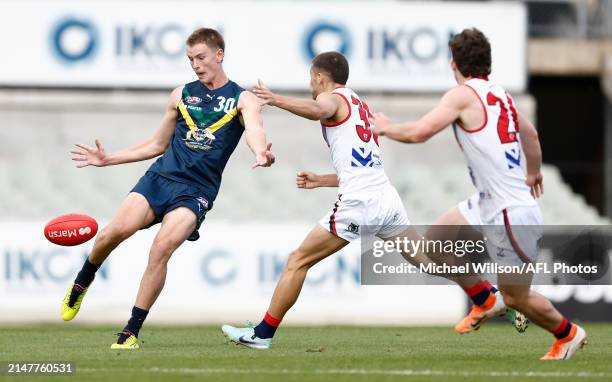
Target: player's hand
point(264, 93)
point(264, 158)
point(307, 180)
point(90, 156)
point(536, 185)
point(381, 123)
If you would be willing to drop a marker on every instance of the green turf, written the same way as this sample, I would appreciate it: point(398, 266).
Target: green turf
point(310, 353)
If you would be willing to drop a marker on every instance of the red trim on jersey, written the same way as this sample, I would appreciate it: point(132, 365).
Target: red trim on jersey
point(332, 218)
point(484, 109)
point(515, 245)
point(485, 78)
point(347, 116)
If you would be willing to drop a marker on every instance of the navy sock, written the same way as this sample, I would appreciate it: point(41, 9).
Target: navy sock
point(563, 330)
point(87, 274)
point(490, 287)
point(478, 293)
point(267, 327)
point(135, 323)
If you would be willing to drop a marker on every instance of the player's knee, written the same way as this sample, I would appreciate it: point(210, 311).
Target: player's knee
point(296, 261)
point(115, 233)
point(161, 250)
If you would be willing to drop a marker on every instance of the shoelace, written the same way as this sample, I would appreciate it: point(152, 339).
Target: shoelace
point(250, 326)
point(123, 336)
point(75, 293)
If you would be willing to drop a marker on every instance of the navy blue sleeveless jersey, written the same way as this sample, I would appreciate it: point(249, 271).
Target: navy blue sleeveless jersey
point(207, 132)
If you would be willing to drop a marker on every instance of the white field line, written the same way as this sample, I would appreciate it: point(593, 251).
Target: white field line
point(406, 372)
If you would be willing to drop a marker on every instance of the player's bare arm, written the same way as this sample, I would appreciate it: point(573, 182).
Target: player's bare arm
point(533, 155)
point(308, 180)
point(250, 113)
point(152, 147)
point(324, 107)
point(452, 104)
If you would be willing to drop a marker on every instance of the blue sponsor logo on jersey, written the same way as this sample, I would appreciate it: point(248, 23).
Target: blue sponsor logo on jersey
point(361, 159)
point(365, 158)
point(513, 156)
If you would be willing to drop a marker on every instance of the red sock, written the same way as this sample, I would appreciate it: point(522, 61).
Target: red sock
point(563, 330)
point(478, 293)
point(267, 327)
point(489, 286)
point(271, 320)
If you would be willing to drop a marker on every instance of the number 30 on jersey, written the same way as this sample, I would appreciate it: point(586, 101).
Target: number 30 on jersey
point(364, 131)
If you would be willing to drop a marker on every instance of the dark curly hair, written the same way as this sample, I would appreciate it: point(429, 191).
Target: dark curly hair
point(471, 52)
point(334, 64)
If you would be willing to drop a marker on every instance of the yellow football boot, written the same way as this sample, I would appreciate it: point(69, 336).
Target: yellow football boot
point(71, 306)
point(126, 341)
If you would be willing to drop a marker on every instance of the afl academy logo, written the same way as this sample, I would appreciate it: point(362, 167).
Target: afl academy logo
point(193, 100)
point(74, 40)
point(324, 36)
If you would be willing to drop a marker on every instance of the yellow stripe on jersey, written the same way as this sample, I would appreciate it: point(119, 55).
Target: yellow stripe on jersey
point(190, 123)
point(223, 121)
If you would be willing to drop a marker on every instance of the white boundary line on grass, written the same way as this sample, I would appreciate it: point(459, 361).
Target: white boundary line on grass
point(406, 372)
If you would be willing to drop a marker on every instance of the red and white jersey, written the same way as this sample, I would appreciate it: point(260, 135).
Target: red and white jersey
point(493, 152)
point(354, 148)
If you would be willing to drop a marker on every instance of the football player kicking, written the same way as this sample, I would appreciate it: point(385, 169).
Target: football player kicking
point(201, 127)
point(488, 127)
point(366, 199)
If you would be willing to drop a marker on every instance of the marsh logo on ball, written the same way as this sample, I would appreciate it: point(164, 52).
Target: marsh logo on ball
point(84, 231)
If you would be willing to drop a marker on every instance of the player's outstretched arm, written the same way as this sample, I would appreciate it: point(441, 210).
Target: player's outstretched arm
point(250, 111)
point(448, 110)
point(152, 147)
point(533, 155)
point(324, 107)
point(308, 180)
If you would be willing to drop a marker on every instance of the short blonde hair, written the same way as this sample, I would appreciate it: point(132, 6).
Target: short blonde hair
point(208, 36)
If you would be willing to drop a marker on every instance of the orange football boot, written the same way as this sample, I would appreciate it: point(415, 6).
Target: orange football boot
point(566, 347)
point(493, 307)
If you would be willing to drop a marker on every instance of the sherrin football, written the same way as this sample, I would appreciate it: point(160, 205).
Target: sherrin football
point(71, 229)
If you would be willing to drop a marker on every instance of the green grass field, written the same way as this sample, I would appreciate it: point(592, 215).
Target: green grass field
point(336, 353)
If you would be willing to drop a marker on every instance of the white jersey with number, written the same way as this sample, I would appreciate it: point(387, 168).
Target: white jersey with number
point(367, 203)
point(493, 152)
point(354, 148)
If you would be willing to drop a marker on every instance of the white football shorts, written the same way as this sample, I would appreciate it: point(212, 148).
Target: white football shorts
point(382, 214)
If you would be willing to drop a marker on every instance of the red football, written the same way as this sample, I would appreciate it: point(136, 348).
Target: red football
point(71, 229)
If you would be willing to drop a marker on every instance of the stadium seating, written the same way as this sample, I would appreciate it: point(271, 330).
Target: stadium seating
point(39, 181)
